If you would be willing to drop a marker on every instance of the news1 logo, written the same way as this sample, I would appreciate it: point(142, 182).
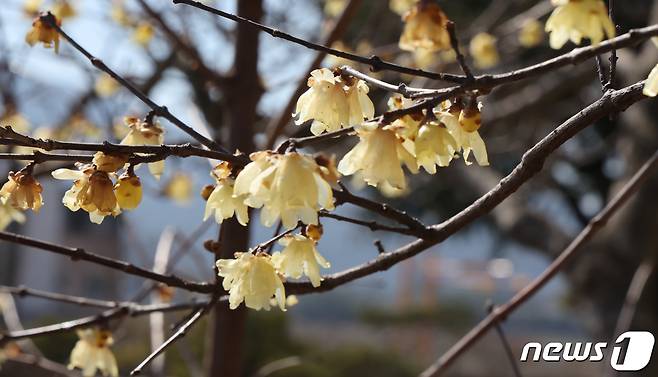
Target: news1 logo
point(631, 351)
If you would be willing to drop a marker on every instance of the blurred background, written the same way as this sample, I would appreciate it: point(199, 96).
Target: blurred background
point(393, 323)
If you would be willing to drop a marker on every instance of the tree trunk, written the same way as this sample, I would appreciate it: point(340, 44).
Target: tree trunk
point(226, 351)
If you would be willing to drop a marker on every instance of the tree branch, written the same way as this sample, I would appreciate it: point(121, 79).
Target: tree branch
point(502, 312)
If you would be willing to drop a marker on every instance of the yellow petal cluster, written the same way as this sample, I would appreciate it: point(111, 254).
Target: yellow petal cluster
point(483, 50)
point(253, 279)
point(9, 214)
point(109, 163)
point(425, 28)
point(144, 133)
point(378, 158)
point(62, 9)
point(578, 19)
point(434, 146)
point(222, 201)
point(463, 125)
point(531, 33)
point(22, 191)
point(179, 188)
point(44, 33)
point(300, 257)
point(105, 85)
point(128, 191)
point(401, 6)
point(333, 102)
point(92, 190)
point(143, 33)
point(288, 186)
point(92, 353)
point(333, 8)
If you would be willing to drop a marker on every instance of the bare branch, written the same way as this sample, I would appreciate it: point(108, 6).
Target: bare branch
point(375, 62)
point(80, 254)
point(502, 312)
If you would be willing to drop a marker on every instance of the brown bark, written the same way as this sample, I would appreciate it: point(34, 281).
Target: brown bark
point(243, 93)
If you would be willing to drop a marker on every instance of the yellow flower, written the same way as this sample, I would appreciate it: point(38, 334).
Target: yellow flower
point(92, 352)
point(434, 146)
point(300, 257)
point(44, 33)
point(143, 133)
point(62, 9)
point(360, 106)
point(31, 7)
point(531, 33)
point(401, 6)
point(325, 102)
point(15, 120)
point(288, 186)
point(425, 28)
point(577, 19)
point(109, 163)
point(252, 279)
point(128, 191)
point(222, 200)
point(92, 190)
point(333, 8)
point(484, 51)
point(119, 15)
point(105, 85)
point(314, 232)
point(9, 214)
point(378, 157)
point(143, 33)
point(463, 127)
point(179, 188)
point(22, 191)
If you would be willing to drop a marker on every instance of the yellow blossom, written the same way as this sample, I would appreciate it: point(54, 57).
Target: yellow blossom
point(44, 33)
point(289, 187)
point(314, 232)
point(109, 163)
point(22, 191)
point(92, 190)
point(300, 257)
point(31, 7)
point(223, 202)
point(15, 120)
point(179, 188)
point(92, 352)
point(465, 133)
point(119, 15)
point(143, 133)
point(333, 8)
point(425, 28)
point(531, 33)
point(434, 146)
point(378, 157)
point(143, 33)
point(484, 51)
point(62, 9)
point(401, 6)
point(128, 191)
point(360, 106)
point(9, 214)
point(577, 19)
point(325, 102)
point(105, 85)
point(252, 279)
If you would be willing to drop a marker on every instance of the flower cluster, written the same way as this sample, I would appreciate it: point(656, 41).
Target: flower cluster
point(578, 19)
point(145, 132)
point(221, 199)
point(94, 191)
point(256, 278)
point(333, 101)
point(22, 191)
point(43, 33)
point(92, 352)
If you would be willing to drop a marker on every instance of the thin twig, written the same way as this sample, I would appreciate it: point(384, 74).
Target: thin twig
point(454, 42)
point(178, 334)
point(80, 254)
point(613, 53)
point(375, 62)
point(158, 110)
point(501, 312)
point(506, 344)
point(372, 225)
